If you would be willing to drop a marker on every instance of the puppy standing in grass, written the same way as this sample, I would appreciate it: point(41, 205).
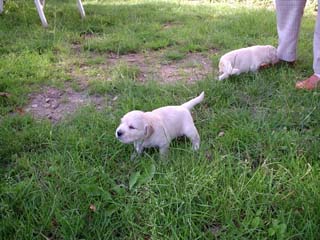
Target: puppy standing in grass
point(159, 127)
point(246, 60)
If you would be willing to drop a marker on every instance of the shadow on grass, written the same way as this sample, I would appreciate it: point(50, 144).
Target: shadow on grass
point(127, 28)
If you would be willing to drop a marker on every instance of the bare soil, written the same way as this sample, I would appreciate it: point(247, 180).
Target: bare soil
point(194, 67)
point(54, 104)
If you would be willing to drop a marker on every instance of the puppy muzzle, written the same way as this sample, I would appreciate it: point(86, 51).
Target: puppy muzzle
point(119, 133)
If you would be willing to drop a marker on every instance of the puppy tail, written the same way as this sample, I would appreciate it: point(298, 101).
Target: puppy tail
point(190, 104)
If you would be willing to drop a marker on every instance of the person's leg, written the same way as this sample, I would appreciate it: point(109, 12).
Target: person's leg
point(316, 45)
point(314, 81)
point(289, 14)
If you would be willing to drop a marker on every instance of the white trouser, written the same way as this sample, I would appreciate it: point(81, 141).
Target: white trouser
point(289, 14)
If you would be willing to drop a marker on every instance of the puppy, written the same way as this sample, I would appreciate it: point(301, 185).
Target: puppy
point(246, 59)
point(159, 127)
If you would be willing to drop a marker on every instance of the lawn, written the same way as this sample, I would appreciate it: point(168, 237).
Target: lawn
point(64, 175)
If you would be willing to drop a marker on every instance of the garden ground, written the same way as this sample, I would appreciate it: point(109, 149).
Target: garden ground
point(65, 88)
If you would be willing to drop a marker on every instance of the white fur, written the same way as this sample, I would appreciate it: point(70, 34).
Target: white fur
point(159, 127)
point(246, 60)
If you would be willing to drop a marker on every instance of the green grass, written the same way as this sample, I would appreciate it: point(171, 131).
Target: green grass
point(74, 180)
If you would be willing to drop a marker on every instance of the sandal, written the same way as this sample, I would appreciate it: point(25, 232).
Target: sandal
point(280, 63)
point(308, 84)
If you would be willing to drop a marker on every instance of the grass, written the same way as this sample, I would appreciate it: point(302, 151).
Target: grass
point(256, 175)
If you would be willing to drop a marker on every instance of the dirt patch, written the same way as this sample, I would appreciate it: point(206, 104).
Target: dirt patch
point(168, 25)
point(76, 47)
point(192, 68)
point(215, 229)
point(164, 66)
point(80, 76)
point(153, 66)
point(87, 35)
point(55, 104)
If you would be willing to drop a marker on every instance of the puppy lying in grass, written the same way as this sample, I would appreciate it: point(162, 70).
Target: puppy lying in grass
point(159, 127)
point(246, 60)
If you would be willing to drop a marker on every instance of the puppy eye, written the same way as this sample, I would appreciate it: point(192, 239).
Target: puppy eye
point(131, 127)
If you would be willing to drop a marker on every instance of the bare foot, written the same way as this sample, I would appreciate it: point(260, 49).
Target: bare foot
point(308, 84)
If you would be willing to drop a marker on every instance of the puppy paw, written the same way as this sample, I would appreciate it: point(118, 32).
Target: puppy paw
point(196, 146)
point(164, 150)
point(223, 76)
point(133, 156)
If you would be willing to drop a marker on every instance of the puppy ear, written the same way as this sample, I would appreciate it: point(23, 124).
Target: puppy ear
point(148, 130)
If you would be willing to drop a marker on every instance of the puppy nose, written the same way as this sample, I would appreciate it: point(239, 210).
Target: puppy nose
point(119, 133)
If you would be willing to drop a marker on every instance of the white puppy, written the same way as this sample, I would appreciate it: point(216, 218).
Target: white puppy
point(246, 59)
point(159, 127)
